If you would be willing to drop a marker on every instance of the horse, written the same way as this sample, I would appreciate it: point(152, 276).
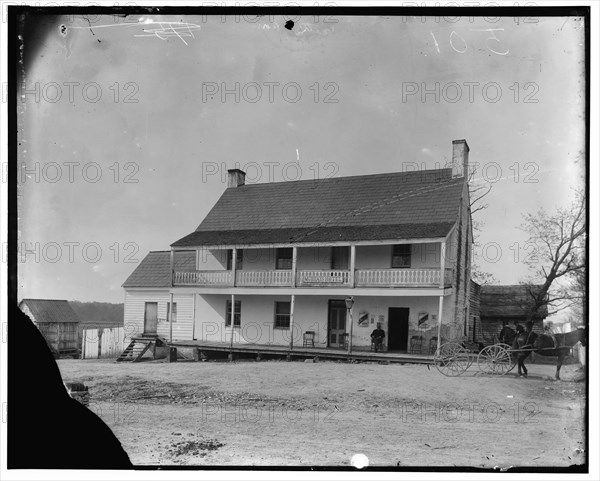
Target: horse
point(544, 345)
point(506, 335)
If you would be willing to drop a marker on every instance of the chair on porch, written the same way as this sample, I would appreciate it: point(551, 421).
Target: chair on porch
point(308, 339)
point(416, 343)
point(381, 347)
point(433, 345)
point(345, 340)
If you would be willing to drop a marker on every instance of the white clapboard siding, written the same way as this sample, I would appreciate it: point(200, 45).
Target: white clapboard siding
point(134, 313)
point(104, 343)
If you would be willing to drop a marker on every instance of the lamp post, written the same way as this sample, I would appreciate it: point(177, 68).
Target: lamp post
point(349, 303)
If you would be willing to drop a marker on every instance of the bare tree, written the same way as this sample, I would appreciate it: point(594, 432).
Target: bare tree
point(478, 190)
point(578, 289)
point(559, 257)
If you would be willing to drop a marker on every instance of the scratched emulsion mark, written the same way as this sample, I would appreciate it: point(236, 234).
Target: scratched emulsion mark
point(65, 38)
point(169, 29)
point(304, 33)
point(159, 29)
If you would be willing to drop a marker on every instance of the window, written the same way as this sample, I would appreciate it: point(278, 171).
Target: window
point(239, 259)
point(284, 258)
point(339, 258)
point(401, 256)
point(174, 311)
point(237, 315)
point(282, 315)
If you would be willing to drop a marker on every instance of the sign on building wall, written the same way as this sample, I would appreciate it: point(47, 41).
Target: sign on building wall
point(423, 320)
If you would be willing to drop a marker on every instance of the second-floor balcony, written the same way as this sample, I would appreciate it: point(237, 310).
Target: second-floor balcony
point(380, 278)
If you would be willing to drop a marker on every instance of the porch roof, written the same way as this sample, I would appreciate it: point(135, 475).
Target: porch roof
point(154, 270)
point(403, 205)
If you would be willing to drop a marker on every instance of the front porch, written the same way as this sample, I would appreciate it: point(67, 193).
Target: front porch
point(205, 349)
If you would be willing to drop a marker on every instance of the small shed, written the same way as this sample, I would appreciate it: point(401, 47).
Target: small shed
point(57, 322)
point(512, 303)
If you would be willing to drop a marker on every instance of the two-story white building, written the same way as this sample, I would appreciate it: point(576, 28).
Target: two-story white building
point(273, 261)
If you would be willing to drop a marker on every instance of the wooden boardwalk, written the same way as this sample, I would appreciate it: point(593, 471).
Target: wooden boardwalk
point(262, 350)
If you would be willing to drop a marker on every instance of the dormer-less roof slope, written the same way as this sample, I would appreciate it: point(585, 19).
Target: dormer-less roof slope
point(408, 205)
point(509, 301)
point(50, 310)
point(154, 270)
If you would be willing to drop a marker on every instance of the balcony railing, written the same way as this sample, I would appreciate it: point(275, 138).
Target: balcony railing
point(401, 277)
point(203, 278)
point(264, 278)
point(315, 278)
point(322, 278)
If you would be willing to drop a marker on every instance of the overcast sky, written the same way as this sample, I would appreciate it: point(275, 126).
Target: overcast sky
point(338, 96)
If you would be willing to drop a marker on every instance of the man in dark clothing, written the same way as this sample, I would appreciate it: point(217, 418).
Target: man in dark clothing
point(504, 332)
point(530, 334)
point(377, 337)
point(549, 332)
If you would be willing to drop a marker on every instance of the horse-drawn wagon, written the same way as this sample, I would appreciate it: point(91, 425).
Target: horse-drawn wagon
point(454, 358)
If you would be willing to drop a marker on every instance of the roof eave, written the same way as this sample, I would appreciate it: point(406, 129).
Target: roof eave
point(415, 240)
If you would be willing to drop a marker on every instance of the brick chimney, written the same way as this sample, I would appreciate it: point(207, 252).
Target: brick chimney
point(235, 178)
point(460, 158)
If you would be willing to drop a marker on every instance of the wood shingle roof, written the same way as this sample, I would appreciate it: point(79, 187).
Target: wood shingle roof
point(404, 205)
point(154, 270)
point(512, 301)
point(50, 310)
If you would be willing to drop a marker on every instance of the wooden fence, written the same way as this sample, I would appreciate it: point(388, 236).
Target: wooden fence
point(102, 343)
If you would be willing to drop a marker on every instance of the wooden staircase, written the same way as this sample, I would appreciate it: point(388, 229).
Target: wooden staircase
point(138, 347)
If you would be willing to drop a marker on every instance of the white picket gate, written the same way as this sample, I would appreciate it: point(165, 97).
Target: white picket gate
point(102, 343)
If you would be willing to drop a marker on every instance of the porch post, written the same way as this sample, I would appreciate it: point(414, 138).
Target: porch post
point(194, 316)
point(294, 267)
point(171, 315)
point(352, 264)
point(233, 266)
point(349, 305)
point(171, 265)
point(442, 285)
point(439, 329)
point(231, 324)
point(442, 264)
point(292, 321)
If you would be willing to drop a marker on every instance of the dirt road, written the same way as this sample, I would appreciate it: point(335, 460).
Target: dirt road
point(303, 414)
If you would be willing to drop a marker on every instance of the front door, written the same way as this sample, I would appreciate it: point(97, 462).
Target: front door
point(336, 323)
point(150, 318)
point(398, 329)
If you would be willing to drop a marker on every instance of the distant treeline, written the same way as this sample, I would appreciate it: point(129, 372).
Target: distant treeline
point(99, 313)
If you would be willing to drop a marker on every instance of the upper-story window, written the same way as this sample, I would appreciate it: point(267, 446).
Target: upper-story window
point(339, 258)
point(401, 256)
point(284, 258)
point(239, 259)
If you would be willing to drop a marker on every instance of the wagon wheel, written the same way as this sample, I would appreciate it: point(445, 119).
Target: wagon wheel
point(496, 359)
point(451, 359)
